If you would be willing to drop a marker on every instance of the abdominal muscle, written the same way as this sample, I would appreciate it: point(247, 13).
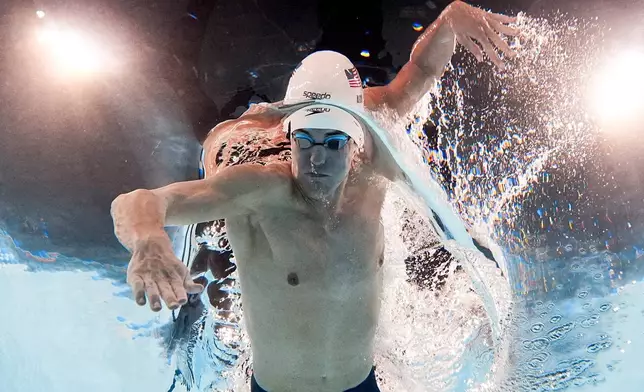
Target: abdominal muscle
point(314, 336)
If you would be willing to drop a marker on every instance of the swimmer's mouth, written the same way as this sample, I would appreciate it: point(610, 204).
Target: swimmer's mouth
point(316, 174)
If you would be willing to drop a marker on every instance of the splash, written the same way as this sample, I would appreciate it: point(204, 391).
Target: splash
point(430, 339)
point(492, 140)
point(493, 137)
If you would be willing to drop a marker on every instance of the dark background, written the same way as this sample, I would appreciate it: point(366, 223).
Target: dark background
point(67, 149)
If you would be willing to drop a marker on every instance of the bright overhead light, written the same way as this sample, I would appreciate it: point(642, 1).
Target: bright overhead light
point(71, 51)
point(617, 92)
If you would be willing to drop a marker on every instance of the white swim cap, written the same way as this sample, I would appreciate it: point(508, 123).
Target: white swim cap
point(326, 76)
point(325, 116)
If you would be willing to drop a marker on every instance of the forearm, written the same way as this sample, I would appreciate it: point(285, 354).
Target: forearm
point(137, 216)
point(433, 50)
point(429, 56)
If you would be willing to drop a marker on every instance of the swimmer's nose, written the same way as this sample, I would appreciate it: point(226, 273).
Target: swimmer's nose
point(318, 155)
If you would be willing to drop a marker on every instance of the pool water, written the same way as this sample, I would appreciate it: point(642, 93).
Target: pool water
point(72, 323)
point(563, 311)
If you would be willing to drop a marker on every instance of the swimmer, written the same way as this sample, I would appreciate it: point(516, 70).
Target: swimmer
point(301, 186)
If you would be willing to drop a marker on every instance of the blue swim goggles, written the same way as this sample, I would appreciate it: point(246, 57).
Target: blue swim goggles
point(333, 142)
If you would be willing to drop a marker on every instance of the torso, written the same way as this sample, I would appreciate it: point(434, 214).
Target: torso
point(310, 285)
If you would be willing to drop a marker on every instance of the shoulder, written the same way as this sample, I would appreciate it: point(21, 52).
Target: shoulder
point(279, 173)
point(264, 185)
point(260, 115)
point(253, 175)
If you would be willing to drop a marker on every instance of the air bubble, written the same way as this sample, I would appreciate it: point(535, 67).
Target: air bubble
point(605, 307)
point(560, 332)
point(591, 321)
point(599, 346)
point(536, 362)
point(536, 344)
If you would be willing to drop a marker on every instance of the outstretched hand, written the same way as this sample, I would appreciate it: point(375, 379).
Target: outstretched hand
point(155, 272)
point(470, 23)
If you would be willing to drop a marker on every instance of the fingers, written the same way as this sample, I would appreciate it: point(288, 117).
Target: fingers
point(179, 289)
point(138, 288)
point(484, 41)
point(170, 290)
point(470, 46)
point(153, 295)
point(179, 292)
point(167, 293)
point(499, 42)
point(168, 280)
point(501, 28)
point(502, 18)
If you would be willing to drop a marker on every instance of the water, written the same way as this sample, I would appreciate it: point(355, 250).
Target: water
point(527, 168)
point(69, 325)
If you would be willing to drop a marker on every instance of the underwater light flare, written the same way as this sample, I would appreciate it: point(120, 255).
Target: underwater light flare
point(616, 92)
point(71, 51)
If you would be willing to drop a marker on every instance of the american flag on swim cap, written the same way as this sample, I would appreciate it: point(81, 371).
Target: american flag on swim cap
point(353, 77)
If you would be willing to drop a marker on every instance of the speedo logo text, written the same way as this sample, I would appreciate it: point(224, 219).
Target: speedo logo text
point(314, 95)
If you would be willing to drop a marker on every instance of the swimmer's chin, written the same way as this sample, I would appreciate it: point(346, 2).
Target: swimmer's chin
point(316, 188)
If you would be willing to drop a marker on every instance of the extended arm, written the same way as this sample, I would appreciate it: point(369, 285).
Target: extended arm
point(139, 218)
point(434, 49)
point(429, 57)
point(234, 191)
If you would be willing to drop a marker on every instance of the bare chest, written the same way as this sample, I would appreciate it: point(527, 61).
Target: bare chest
point(346, 249)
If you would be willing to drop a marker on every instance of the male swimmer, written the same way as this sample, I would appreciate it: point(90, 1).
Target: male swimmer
point(305, 227)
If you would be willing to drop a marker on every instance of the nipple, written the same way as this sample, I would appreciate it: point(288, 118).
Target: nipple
point(292, 279)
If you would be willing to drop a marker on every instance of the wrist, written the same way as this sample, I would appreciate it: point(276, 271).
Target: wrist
point(146, 235)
